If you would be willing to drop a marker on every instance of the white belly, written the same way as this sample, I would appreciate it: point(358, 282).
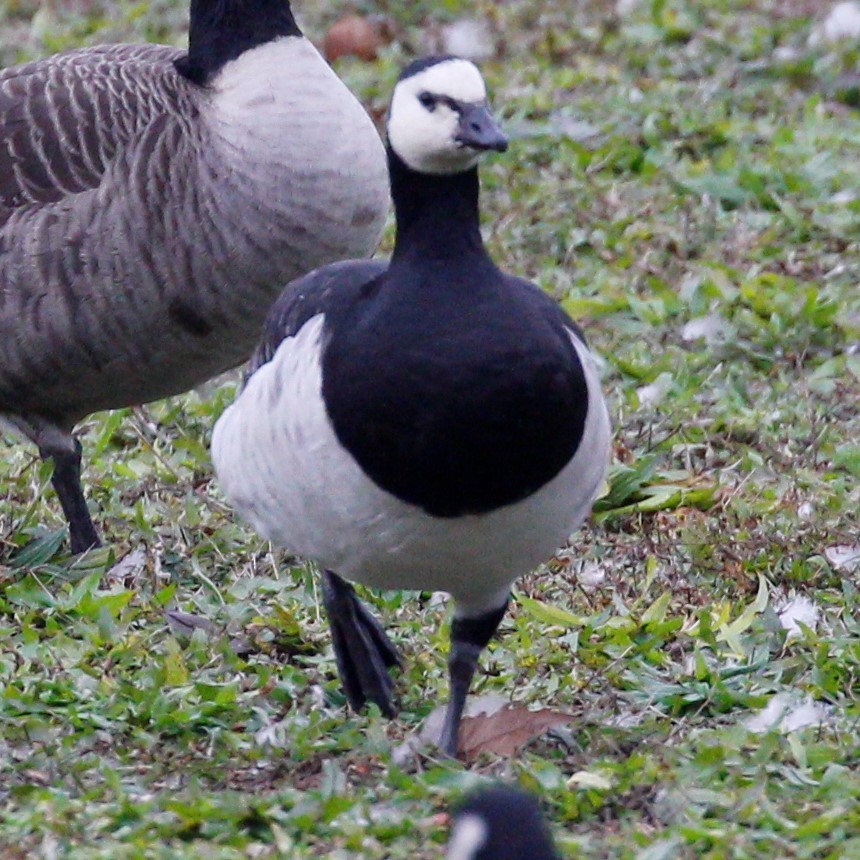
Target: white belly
point(280, 464)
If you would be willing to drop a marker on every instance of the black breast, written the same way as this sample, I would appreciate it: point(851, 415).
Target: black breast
point(456, 399)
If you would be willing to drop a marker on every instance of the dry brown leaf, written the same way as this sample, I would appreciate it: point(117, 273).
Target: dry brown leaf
point(507, 730)
point(352, 35)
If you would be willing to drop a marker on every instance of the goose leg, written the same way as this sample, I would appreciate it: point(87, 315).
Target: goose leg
point(67, 485)
point(362, 650)
point(469, 636)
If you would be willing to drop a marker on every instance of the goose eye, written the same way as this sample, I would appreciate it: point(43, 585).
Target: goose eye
point(428, 100)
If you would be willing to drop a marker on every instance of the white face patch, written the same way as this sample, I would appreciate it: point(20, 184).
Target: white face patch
point(467, 838)
point(426, 139)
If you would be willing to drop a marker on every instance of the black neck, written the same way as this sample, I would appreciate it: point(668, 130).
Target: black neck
point(437, 215)
point(221, 30)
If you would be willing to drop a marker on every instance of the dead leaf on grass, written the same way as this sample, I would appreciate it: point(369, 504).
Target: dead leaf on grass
point(185, 623)
point(507, 730)
point(356, 36)
point(129, 568)
point(490, 724)
point(843, 557)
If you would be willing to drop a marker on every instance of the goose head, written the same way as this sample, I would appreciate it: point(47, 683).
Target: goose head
point(500, 823)
point(439, 121)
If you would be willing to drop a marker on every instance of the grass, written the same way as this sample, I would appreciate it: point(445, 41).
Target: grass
point(681, 163)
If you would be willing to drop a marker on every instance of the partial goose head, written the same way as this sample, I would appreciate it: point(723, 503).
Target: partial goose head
point(439, 121)
point(500, 823)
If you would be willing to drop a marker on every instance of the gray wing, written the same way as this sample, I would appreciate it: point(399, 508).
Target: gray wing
point(327, 290)
point(63, 119)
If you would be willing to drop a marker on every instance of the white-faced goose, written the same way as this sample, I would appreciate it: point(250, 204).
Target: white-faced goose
point(425, 423)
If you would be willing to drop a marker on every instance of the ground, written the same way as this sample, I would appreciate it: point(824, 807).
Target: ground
point(683, 178)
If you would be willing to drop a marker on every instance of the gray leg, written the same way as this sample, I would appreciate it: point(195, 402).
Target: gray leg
point(67, 485)
point(469, 636)
point(362, 650)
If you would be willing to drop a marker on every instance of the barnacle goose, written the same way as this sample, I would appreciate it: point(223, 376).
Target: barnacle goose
point(425, 423)
point(500, 823)
point(153, 203)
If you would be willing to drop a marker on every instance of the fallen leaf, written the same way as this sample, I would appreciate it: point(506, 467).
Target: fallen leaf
point(431, 729)
point(489, 724)
point(843, 557)
point(590, 779)
point(507, 730)
point(185, 623)
point(129, 568)
point(352, 36)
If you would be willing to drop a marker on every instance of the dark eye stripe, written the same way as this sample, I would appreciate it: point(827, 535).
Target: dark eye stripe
point(432, 101)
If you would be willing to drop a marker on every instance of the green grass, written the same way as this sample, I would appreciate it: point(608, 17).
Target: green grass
point(718, 180)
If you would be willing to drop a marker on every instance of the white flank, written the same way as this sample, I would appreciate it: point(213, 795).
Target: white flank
point(280, 464)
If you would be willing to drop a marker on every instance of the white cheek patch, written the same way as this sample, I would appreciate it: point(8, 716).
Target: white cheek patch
point(467, 838)
point(426, 139)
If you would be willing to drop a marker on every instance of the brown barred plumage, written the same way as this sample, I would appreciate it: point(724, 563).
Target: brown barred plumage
point(147, 223)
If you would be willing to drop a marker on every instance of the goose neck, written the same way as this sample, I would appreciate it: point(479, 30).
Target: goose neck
point(437, 215)
point(222, 30)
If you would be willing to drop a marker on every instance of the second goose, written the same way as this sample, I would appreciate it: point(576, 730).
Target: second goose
point(153, 203)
